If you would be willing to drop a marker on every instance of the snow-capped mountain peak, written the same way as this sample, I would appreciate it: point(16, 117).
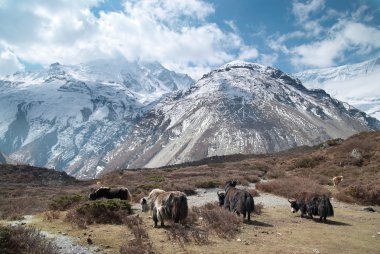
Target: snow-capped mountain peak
point(358, 84)
point(69, 116)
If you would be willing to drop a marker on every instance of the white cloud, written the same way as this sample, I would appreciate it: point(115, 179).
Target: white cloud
point(8, 61)
point(344, 36)
point(302, 11)
point(174, 33)
point(247, 53)
point(268, 59)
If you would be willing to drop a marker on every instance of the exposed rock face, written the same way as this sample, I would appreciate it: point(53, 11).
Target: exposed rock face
point(239, 108)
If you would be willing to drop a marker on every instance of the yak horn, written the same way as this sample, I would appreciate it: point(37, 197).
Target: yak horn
point(290, 200)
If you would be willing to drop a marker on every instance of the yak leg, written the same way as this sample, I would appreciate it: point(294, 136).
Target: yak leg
point(249, 216)
point(155, 217)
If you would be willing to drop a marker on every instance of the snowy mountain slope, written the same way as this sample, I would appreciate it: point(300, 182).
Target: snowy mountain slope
point(6, 160)
point(68, 117)
point(357, 84)
point(238, 108)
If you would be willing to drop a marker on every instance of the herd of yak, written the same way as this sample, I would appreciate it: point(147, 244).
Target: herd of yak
point(172, 205)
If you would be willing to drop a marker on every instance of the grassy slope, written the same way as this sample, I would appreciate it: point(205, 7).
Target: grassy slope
point(352, 231)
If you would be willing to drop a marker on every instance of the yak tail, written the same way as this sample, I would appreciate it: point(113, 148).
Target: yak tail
point(180, 208)
point(329, 207)
point(249, 205)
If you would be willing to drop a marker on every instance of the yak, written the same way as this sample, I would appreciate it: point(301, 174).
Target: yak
point(336, 180)
point(239, 201)
point(165, 205)
point(110, 193)
point(312, 204)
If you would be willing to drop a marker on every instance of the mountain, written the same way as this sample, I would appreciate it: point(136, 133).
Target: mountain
point(357, 84)
point(238, 108)
point(69, 117)
point(4, 159)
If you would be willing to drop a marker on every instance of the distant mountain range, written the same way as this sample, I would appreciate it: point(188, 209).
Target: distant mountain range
point(357, 84)
point(99, 116)
point(70, 117)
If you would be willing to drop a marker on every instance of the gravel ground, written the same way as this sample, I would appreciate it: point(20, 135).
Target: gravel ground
point(205, 196)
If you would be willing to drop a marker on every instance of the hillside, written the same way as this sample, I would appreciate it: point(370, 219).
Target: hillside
point(273, 229)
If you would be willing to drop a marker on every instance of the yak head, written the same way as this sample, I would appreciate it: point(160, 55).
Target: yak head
point(294, 207)
point(230, 183)
point(144, 204)
point(221, 196)
point(92, 196)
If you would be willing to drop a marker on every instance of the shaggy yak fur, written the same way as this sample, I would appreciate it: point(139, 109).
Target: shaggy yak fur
point(312, 204)
point(239, 201)
point(165, 205)
point(336, 180)
point(110, 193)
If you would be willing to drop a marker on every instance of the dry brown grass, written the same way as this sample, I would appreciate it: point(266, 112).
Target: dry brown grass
point(140, 243)
point(291, 186)
point(20, 239)
point(223, 222)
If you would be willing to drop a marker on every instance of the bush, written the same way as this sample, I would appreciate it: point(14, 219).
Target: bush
point(155, 178)
point(63, 203)
point(225, 223)
point(111, 211)
point(368, 194)
point(258, 208)
point(291, 186)
point(19, 239)
point(51, 215)
point(308, 162)
point(141, 243)
point(208, 184)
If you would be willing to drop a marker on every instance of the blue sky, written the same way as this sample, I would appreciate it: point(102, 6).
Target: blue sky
point(191, 36)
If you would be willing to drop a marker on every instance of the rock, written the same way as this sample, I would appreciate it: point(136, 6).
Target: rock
point(316, 251)
point(238, 240)
point(356, 154)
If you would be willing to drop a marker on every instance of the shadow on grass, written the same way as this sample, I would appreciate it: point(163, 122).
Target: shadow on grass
point(258, 223)
point(332, 222)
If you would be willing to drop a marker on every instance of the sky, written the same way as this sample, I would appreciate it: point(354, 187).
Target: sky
point(189, 36)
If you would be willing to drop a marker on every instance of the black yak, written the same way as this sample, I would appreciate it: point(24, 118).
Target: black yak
point(165, 205)
point(239, 201)
point(110, 193)
point(312, 204)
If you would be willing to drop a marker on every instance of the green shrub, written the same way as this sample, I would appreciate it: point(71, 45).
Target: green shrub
point(155, 178)
point(216, 165)
point(111, 211)
point(207, 184)
point(63, 203)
